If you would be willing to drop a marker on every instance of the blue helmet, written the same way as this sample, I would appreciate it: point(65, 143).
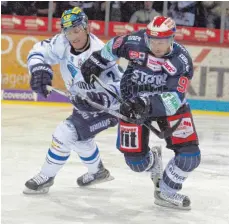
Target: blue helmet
point(74, 17)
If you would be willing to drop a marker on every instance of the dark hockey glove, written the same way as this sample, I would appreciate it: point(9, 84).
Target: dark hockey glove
point(95, 64)
point(41, 75)
point(100, 98)
point(136, 107)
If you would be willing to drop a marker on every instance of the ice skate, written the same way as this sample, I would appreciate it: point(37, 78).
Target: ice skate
point(101, 176)
point(156, 171)
point(172, 200)
point(39, 184)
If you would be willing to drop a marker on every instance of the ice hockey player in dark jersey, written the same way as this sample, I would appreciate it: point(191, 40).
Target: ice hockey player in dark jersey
point(154, 86)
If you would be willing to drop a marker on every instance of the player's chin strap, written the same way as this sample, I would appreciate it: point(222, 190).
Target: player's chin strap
point(162, 134)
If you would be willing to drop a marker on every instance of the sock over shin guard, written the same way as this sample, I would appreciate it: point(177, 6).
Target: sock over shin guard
point(178, 169)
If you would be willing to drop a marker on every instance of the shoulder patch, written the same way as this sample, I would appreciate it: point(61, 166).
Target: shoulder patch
point(135, 38)
point(184, 60)
point(118, 42)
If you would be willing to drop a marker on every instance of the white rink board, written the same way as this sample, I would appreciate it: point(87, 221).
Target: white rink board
point(26, 135)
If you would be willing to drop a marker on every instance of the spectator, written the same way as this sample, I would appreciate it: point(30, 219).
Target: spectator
point(182, 12)
point(75, 4)
point(213, 14)
point(158, 6)
point(95, 10)
point(99, 8)
point(88, 8)
point(5, 9)
point(64, 5)
point(22, 8)
point(115, 11)
point(144, 15)
point(200, 17)
point(43, 8)
point(128, 8)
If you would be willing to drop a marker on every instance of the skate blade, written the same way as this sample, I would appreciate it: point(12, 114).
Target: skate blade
point(110, 178)
point(170, 205)
point(35, 192)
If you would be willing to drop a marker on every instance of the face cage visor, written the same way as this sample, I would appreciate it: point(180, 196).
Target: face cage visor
point(73, 32)
point(159, 40)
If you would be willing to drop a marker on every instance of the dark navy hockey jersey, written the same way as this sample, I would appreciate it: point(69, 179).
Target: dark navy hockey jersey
point(166, 78)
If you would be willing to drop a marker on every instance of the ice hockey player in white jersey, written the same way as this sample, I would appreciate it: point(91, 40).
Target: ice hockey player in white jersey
point(70, 49)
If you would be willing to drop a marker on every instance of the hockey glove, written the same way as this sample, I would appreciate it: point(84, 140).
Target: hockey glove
point(95, 64)
point(136, 107)
point(41, 76)
point(100, 98)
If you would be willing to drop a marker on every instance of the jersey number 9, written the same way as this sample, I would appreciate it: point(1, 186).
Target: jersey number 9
point(183, 84)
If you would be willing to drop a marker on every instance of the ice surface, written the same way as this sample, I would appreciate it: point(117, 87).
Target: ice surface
point(26, 135)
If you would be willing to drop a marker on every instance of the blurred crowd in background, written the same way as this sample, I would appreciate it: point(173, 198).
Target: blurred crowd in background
point(185, 13)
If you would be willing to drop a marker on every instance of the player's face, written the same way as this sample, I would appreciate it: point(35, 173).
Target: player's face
point(77, 36)
point(160, 47)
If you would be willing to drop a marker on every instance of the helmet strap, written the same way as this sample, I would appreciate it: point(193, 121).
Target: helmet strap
point(171, 46)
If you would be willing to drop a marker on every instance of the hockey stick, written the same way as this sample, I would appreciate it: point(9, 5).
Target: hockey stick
point(95, 105)
point(109, 111)
point(164, 134)
point(161, 135)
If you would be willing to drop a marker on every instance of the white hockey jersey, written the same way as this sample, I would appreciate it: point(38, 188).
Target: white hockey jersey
point(57, 50)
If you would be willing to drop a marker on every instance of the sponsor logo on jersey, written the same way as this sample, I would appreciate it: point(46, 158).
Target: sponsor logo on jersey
point(171, 102)
point(185, 129)
point(169, 67)
point(154, 63)
point(101, 124)
point(156, 80)
point(185, 60)
point(118, 42)
point(136, 55)
point(72, 70)
point(135, 38)
point(130, 137)
point(84, 85)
